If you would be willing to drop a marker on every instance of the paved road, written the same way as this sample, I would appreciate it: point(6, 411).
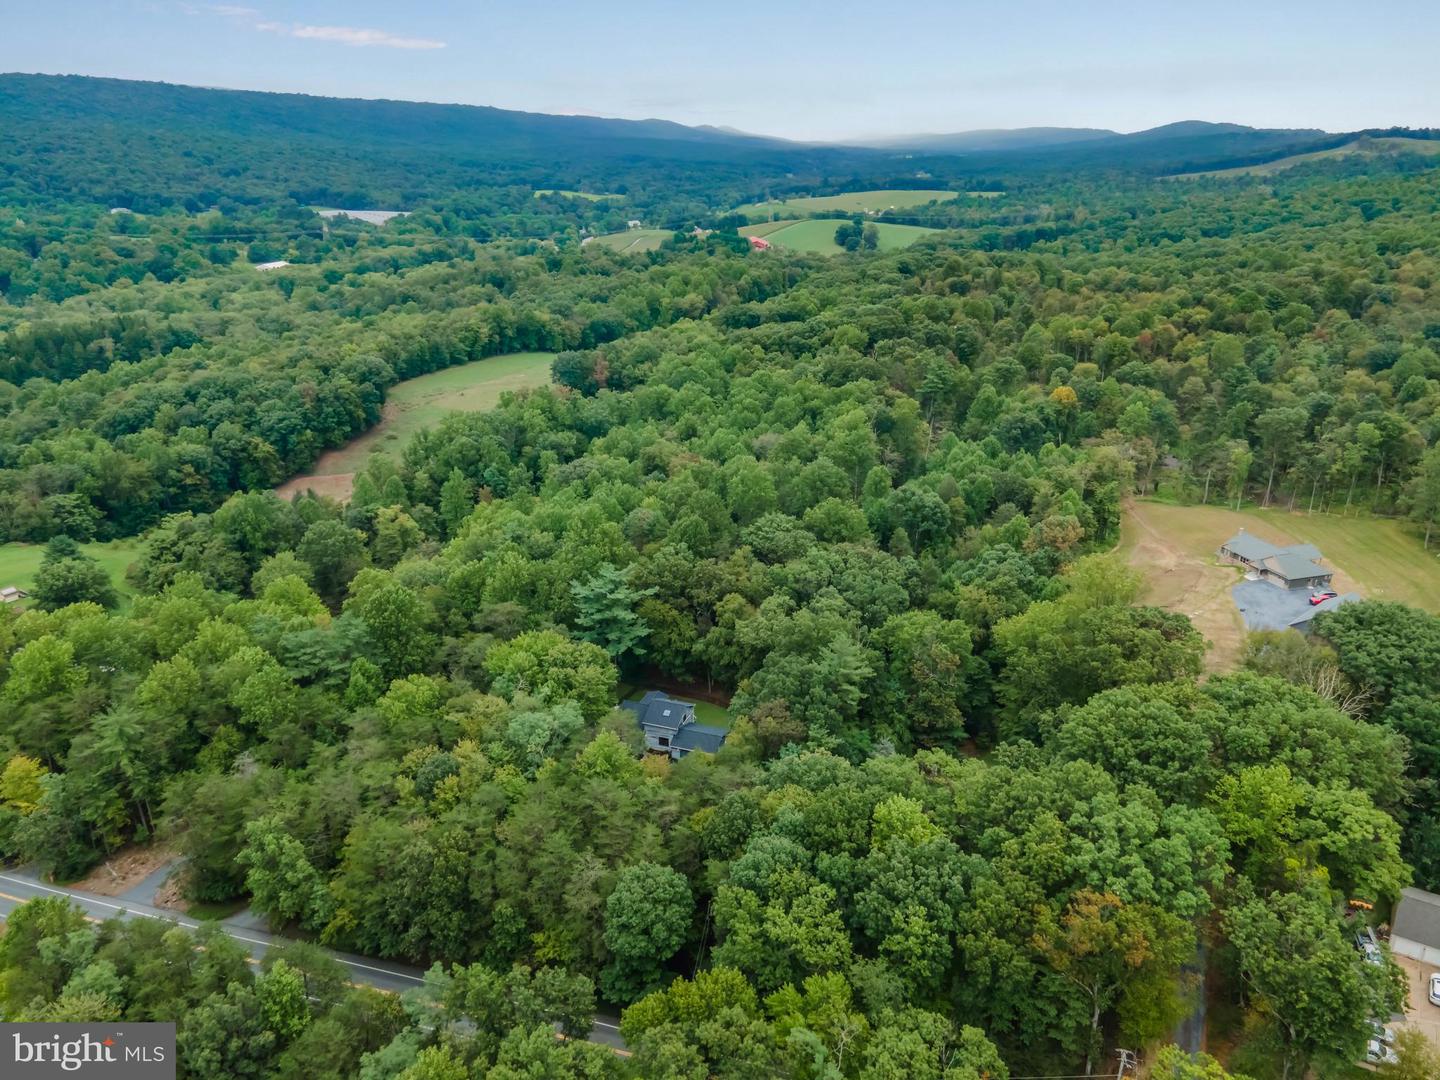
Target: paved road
point(18, 886)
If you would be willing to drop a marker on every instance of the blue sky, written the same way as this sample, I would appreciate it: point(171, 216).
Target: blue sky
point(798, 69)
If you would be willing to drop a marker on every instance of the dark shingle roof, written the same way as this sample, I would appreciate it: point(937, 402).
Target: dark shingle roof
point(699, 737)
point(1418, 917)
point(655, 710)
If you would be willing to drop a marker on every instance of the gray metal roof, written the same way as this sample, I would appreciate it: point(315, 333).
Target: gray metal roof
point(1248, 547)
point(1417, 917)
point(1294, 567)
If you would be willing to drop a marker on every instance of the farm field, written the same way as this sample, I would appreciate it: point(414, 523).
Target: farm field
point(419, 403)
point(765, 228)
point(18, 563)
point(1359, 146)
point(1173, 549)
point(632, 241)
point(817, 235)
point(854, 202)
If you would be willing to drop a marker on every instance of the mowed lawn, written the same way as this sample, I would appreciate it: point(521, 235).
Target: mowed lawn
point(419, 403)
point(632, 241)
point(1174, 550)
point(854, 202)
point(18, 563)
point(817, 235)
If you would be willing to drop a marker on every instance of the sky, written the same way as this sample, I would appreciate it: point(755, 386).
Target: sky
point(831, 70)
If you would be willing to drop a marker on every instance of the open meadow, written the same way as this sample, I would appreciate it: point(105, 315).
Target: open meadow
point(817, 235)
point(419, 403)
point(633, 241)
point(853, 202)
point(18, 563)
point(1174, 550)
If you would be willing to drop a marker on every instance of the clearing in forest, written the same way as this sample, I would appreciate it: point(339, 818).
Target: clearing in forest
point(852, 202)
point(817, 235)
point(420, 403)
point(1173, 548)
point(18, 563)
point(593, 196)
point(632, 241)
point(1366, 147)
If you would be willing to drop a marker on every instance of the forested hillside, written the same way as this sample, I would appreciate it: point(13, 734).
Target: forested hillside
point(977, 816)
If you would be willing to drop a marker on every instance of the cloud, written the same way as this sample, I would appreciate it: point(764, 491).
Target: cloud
point(354, 36)
point(351, 35)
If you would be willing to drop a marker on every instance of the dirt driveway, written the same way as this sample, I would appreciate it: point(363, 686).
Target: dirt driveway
point(1178, 578)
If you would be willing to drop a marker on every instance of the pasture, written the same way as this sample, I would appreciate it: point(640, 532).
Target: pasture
point(18, 563)
point(633, 241)
point(1174, 550)
point(420, 403)
point(854, 202)
point(1365, 147)
point(817, 235)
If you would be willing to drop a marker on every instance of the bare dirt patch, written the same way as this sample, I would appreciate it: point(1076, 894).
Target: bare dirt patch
point(124, 870)
point(1177, 580)
point(171, 894)
point(337, 486)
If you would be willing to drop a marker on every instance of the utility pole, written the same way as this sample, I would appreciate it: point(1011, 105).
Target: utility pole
point(1127, 1061)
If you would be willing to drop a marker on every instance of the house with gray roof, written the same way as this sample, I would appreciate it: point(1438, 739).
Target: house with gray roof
point(1415, 930)
point(1294, 567)
point(670, 726)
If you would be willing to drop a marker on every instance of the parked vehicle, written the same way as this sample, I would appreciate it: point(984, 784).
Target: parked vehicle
point(1434, 994)
point(1377, 1053)
point(1368, 946)
point(1321, 597)
point(1382, 1032)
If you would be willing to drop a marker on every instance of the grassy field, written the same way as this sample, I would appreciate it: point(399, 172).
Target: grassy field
point(635, 240)
point(18, 563)
point(765, 228)
point(817, 235)
point(421, 403)
point(1173, 548)
point(854, 202)
point(1359, 146)
point(591, 195)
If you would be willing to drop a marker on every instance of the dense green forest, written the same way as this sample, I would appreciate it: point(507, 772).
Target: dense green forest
point(978, 811)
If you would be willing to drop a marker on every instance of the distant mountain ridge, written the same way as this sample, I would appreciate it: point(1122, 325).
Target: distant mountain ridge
point(150, 145)
point(1000, 140)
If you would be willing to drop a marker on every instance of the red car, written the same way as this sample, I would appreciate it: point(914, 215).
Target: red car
point(1321, 597)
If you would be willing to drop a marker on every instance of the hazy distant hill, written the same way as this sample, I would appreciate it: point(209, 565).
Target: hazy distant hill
point(990, 139)
point(155, 144)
